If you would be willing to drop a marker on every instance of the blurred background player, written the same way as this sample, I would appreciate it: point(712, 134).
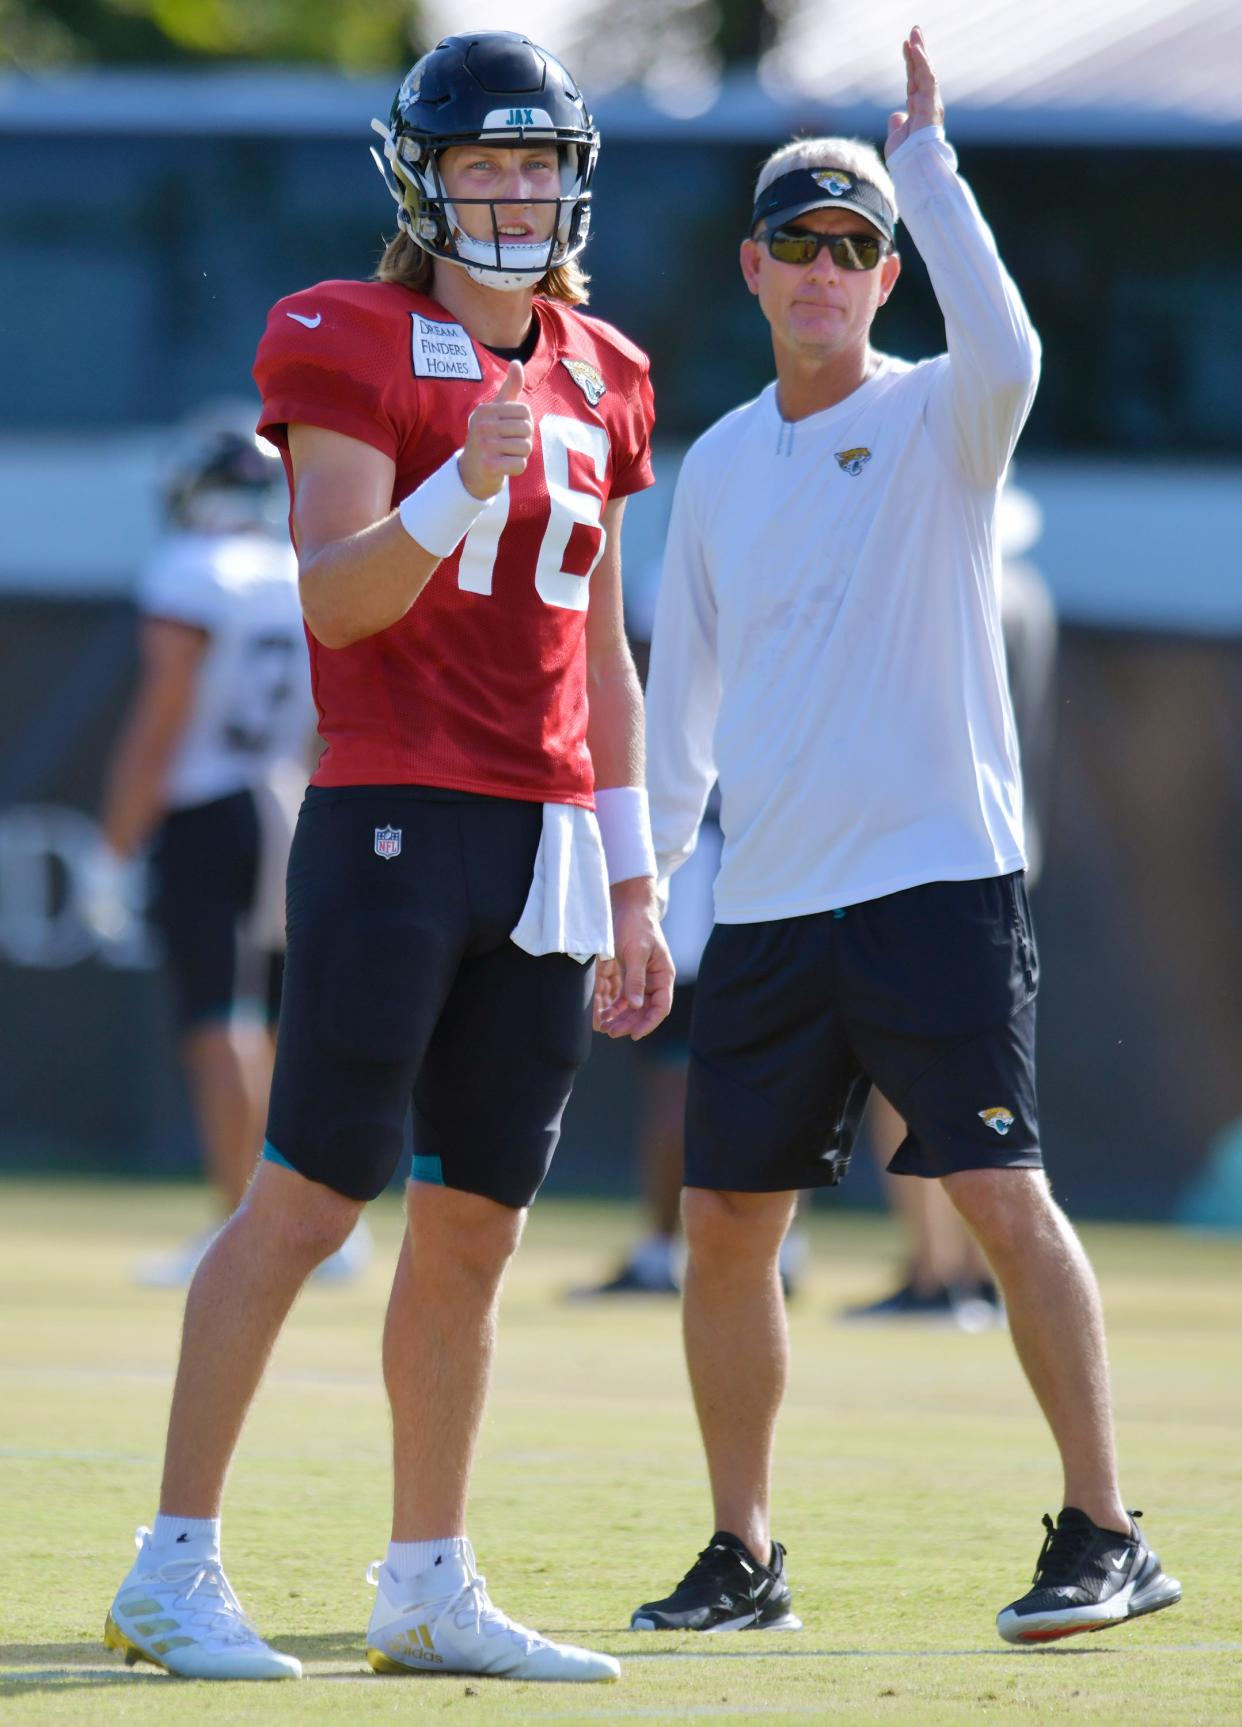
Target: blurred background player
point(945, 1276)
point(207, 773)
point(653, 1265)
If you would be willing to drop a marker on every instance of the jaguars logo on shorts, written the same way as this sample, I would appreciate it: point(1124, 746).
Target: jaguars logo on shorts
point(999, 1119)
point(853, 461)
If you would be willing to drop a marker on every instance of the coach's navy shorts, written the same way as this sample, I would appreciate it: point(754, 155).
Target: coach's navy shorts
point(401, 985)
point(204, 865)
point(928, 994)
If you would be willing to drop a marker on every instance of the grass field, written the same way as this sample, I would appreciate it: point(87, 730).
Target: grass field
point(912, 1471)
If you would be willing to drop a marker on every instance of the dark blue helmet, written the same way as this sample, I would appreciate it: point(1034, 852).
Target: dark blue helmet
point(497, 88)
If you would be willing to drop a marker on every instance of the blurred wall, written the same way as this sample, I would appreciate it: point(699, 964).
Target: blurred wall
point(121, 310)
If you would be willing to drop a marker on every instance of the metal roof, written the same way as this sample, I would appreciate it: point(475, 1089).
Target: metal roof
point(1067, 71)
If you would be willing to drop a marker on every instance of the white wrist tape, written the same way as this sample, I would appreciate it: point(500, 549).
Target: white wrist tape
point(441, 512)
point(624, 818)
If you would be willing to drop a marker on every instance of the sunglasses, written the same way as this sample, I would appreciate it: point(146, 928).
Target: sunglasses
point(801, 245)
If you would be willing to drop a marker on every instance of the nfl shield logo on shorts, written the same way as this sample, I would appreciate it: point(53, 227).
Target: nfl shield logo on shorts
point(387, 842)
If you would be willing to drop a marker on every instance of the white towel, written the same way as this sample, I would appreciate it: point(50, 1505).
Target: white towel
point(568, 909)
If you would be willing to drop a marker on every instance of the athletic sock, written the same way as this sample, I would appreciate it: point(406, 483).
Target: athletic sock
point(408, 1559)
point(186, 1537)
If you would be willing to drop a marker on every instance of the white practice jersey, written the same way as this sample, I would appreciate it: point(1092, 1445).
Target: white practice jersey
point(828, 638)
point(253, 715)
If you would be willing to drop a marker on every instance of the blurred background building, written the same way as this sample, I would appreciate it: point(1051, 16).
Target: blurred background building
point(168, 168)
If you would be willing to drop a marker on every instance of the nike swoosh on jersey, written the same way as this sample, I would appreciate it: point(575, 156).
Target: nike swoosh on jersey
point(311, 323)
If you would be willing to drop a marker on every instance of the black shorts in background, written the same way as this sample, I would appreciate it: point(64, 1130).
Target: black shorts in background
point(204, 868)
point(402, 987)
point(928, 994)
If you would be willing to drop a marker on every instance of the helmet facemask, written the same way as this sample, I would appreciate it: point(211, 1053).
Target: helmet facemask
point(429, 215)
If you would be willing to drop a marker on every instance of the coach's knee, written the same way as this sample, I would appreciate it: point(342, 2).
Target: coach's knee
point(1004, 1208)
point(724, 1227)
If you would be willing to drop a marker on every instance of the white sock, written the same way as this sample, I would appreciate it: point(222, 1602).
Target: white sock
point(186, 1537)
point(408, 1559)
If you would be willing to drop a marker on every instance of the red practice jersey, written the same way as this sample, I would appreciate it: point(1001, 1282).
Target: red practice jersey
point(482, 684)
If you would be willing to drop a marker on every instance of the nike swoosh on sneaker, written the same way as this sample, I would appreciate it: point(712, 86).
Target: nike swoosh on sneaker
point(311, 323)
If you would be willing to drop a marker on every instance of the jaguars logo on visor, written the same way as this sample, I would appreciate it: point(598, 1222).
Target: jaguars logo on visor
point(832, 180)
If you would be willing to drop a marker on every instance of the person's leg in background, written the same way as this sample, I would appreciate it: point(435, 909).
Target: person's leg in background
point(944, 1275)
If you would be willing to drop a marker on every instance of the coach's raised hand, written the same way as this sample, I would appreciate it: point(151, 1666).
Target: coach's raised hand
point(500, 439)
point(923, 104)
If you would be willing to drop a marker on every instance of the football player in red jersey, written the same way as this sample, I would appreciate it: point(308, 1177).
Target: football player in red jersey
point(460, 443)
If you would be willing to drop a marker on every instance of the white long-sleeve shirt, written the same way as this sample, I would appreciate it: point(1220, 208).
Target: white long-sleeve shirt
point(827, 638)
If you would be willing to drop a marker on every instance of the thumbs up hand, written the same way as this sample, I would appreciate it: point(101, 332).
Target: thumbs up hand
point(500, 438)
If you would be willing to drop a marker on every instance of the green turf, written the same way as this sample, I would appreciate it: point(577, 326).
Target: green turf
point(912, 1471)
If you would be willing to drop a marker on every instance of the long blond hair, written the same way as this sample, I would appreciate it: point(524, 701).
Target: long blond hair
point(406, 263)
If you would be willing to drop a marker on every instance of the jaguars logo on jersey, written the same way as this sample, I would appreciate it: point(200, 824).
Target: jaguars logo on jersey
point(853, 461)
point(589, 379)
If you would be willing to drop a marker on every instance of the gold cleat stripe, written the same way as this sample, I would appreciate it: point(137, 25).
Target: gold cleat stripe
point(115, 1638)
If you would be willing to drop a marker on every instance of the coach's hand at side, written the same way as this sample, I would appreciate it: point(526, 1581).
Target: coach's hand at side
point(923, 104)
point(500, 439)
point(634, 991)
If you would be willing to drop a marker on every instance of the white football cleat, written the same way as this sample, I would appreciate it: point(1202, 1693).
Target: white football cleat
point(443, 1622)
point(183, 1616)
point(175, 1269)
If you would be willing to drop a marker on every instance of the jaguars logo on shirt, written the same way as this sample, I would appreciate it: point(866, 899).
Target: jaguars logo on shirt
point(833, 180)
point(853, 461)
point(589, 379)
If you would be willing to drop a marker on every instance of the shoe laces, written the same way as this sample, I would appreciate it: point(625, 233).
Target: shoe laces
point(720, 1561)
point(1064, 1545)
point(204, 1597)
point(472, 1609)
point(1063, 1548)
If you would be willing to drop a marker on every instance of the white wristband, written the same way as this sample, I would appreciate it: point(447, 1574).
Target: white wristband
point(624, 818)
point(441, 512)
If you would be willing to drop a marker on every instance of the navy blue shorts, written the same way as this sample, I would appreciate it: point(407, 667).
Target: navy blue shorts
point(928, 994)
point(204, 866)
point(402, 987)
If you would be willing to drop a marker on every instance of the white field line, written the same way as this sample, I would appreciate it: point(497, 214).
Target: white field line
point(350, 1676)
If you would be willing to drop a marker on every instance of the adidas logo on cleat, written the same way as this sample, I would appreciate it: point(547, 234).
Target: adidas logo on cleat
point(417, 1642)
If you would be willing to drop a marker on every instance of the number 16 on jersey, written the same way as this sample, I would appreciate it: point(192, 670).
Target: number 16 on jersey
point(571, 507)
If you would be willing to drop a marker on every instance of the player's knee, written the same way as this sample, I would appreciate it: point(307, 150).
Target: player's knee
point(732, 1226)
point(463, 1231)
point(305, 1223)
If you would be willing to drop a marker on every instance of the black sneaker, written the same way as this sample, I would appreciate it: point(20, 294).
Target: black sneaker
point(631, 1279)
point(725, 1590)
point(1087, 1579)
point(904, 1303)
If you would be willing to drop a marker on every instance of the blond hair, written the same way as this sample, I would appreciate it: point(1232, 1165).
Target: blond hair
point(405, 262)
point(852, 154)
